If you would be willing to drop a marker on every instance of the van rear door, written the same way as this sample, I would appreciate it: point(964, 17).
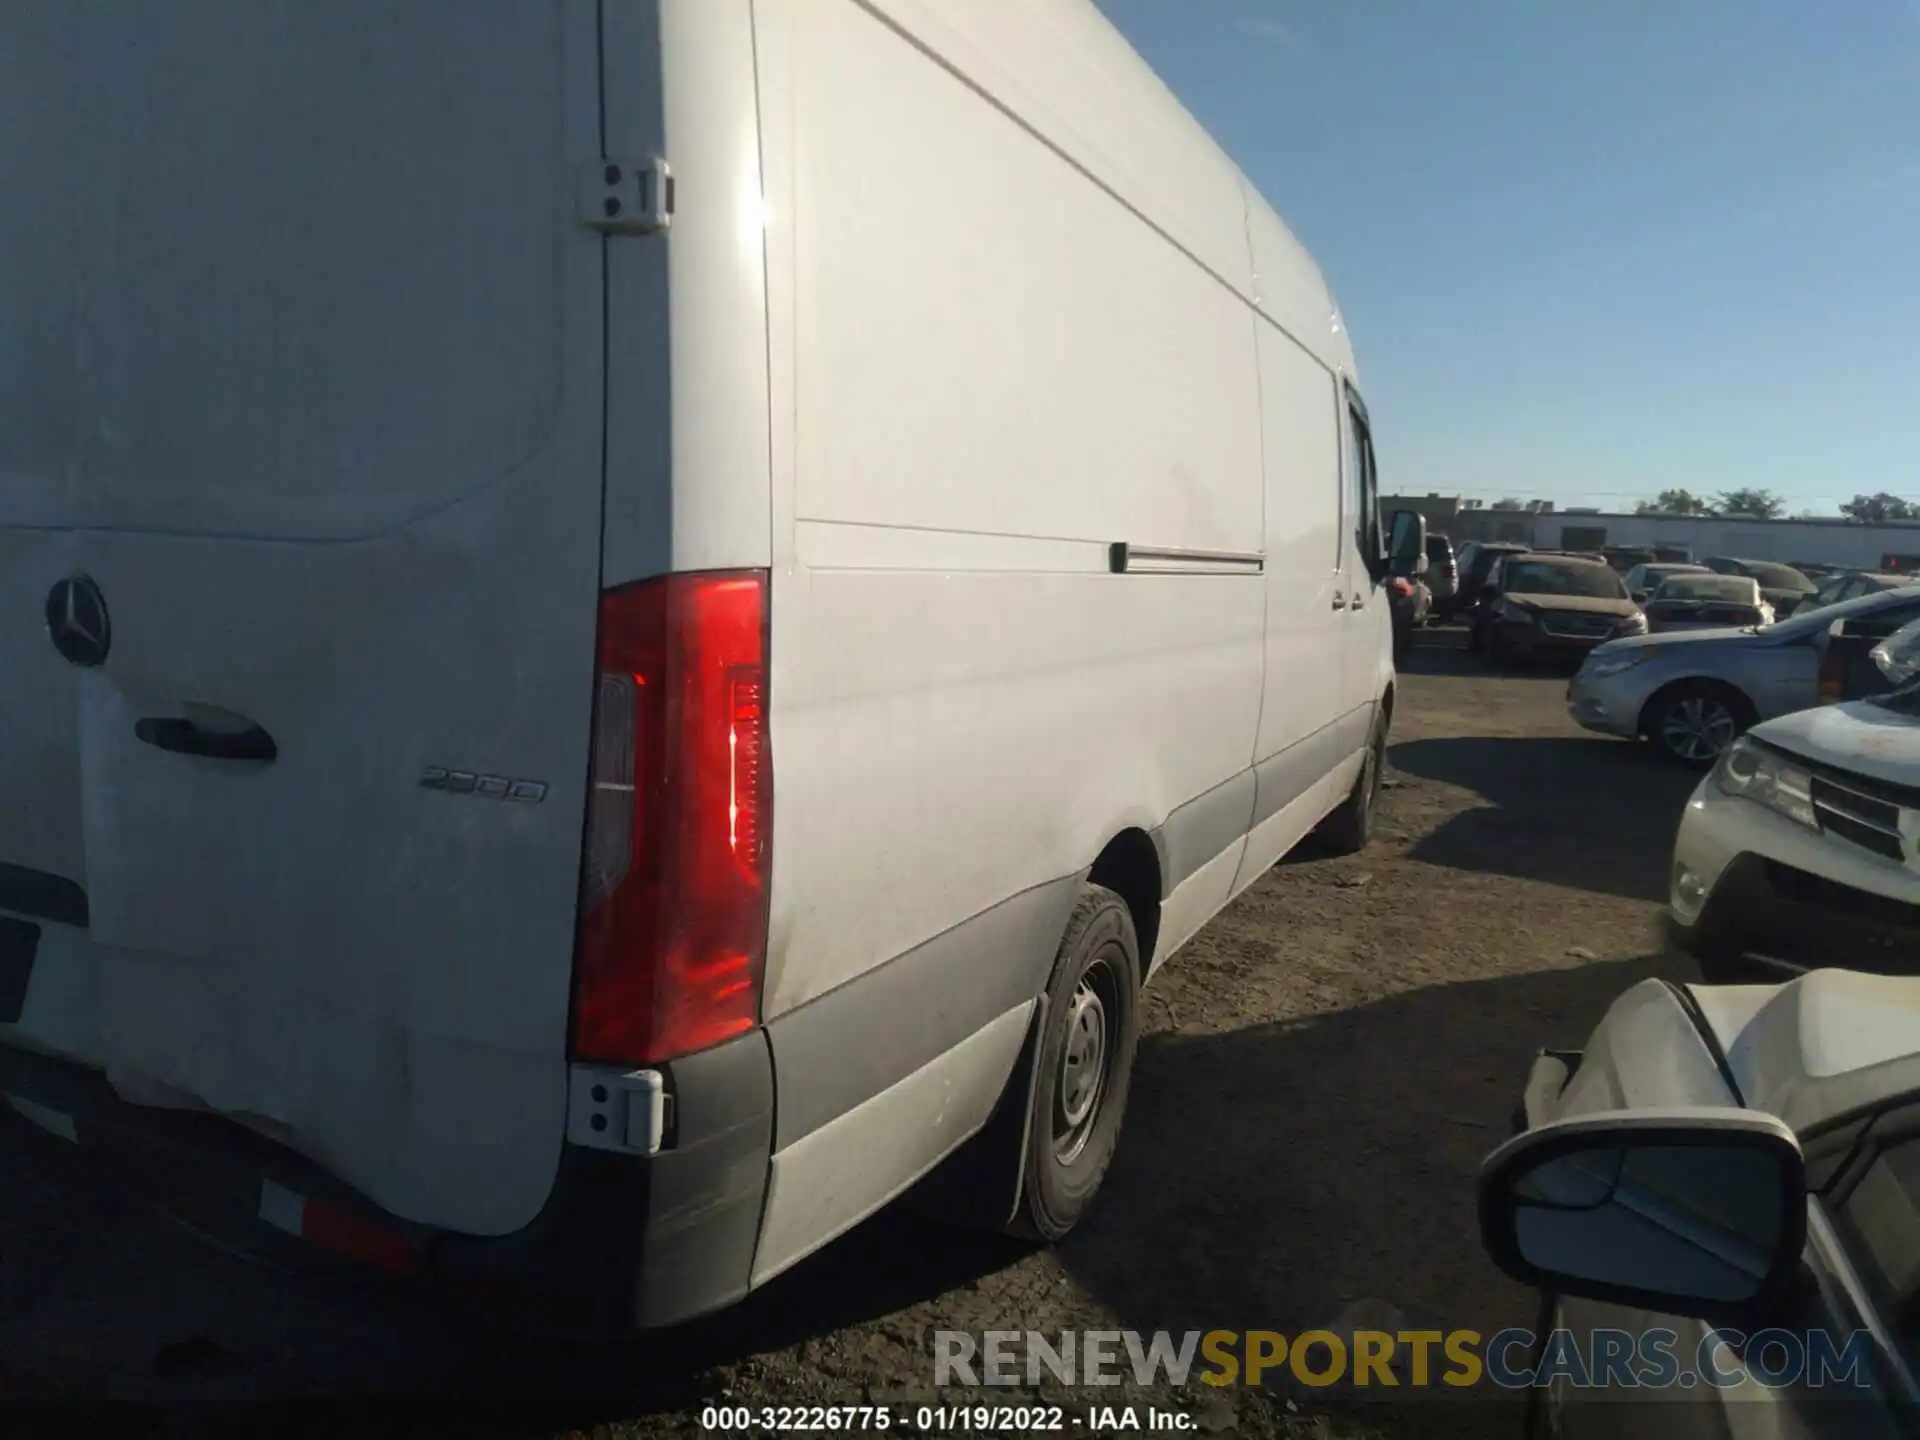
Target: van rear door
point(300, 442)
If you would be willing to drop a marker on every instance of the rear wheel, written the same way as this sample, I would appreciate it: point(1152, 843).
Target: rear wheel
point(1084, 1066)
point(1692, 723)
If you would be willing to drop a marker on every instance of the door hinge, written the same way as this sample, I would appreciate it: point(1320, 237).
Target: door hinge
point(622, 196)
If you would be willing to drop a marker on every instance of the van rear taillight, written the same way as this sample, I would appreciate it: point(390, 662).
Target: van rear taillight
point(673, 927)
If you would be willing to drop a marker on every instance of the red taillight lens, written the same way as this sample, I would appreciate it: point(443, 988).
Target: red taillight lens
point(673, 928)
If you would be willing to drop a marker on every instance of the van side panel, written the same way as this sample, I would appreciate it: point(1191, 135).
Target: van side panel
point(962, 691)
point(1068, 75)
point(986, 370)
point(1301, 738)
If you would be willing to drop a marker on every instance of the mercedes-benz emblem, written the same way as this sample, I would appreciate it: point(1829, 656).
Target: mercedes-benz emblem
point(77, 620)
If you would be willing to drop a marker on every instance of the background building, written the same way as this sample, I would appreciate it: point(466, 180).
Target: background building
point(1892, 546)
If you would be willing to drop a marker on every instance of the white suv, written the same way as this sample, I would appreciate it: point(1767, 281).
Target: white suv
point(1802, 847)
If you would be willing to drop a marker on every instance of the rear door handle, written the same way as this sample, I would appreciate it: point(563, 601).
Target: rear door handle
point(1339, 601)
point(183, 737)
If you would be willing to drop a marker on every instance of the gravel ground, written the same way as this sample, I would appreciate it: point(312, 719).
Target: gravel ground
point(1321, 1071)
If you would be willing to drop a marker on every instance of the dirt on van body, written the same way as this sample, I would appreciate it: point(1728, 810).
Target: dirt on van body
point(1321, 1071)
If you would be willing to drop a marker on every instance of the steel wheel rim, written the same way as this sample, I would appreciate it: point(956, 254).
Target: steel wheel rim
point(1698, 728)
point(1086, 1057)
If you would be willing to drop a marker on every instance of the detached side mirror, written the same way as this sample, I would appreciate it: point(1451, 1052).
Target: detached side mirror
point(1898, 656)
point(1407, 543)
point(1698, 1212)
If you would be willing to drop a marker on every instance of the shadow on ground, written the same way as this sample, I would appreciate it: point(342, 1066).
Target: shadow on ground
point(1268, 1178)
point(1443, 651)
point(411, 1368)
point(1593, 814)
point(1286, 1176)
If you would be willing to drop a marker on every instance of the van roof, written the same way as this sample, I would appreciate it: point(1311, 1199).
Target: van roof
point(1064, 70)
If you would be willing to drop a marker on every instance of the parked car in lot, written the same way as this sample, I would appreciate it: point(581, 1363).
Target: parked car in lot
point(1410, 603)
point(1819, 571)
point(1706, 602)
point(1625, 557)
point(1802, 847)
point(1692, 694)
point(1848, 584)
point(1442, 575)
point(1540, 603)
point(1785, 588)
point(1642, 580)
point(1718, 1201)
point(1476, 561)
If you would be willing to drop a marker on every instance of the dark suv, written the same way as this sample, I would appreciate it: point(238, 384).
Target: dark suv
point(1443, 575)
point(1475, 562)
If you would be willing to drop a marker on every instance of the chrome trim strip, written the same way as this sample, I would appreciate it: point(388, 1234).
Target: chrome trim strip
point(1127, 559)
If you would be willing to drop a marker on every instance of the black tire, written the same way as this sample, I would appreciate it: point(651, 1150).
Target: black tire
point(1716, 956)
point(1073, 1123)
point(1691, 723)
point(1347, 830)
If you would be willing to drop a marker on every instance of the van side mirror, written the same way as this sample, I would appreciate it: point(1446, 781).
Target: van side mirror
point(1700, 1212)
point(1407, 543)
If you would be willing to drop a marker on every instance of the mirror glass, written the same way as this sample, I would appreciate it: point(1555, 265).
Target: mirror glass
point(1898, 656)
point(1407, 544)
point(1701, 1221)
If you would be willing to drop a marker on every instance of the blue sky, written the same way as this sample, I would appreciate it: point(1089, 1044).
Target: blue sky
point(1590, 249)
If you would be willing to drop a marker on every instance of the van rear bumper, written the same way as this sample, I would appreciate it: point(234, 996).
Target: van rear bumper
point(623, 1240)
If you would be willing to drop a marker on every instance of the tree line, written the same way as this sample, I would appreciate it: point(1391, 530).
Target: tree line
point(1759, 504)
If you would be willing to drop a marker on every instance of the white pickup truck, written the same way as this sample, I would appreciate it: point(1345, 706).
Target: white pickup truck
point(1801, 848)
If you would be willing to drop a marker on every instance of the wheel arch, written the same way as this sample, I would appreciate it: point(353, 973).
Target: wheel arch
point(1717, 683)
point(1130, 865)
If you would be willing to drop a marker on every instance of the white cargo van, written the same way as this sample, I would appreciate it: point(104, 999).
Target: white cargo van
point(622, 624)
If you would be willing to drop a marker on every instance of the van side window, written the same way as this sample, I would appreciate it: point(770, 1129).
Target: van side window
point(1362, 487)
point(1351, 473)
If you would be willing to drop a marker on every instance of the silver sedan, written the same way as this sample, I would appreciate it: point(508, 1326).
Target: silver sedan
point(1691, 693)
